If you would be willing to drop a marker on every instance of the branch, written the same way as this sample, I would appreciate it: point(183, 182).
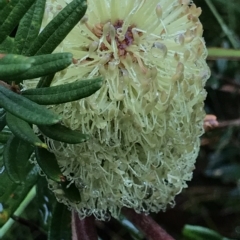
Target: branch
point(30, 196)
point(147, 225)
point(210, 122)
point(229, 123)
point(83, 229)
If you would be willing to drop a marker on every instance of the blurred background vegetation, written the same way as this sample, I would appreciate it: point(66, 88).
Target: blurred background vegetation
point(213, 197)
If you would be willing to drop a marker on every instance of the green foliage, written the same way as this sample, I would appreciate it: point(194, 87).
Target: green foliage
point(23, 130)
point(3, 3)
point(42, 65)
point(45, 200)
point(4, 136)
point(60, 227)
point(70, 192)
point(12, 194)
point(2, 119)
point(11, 14)
point(7, 45)
point(58, 28)
point(25, 109)
point(201, 233)
point(63, 93)
point(12, 65)
point(20, 109)
point(16, 154)
point(45, 81)
point(29, 27)
point(48, 164)
point(61, 133)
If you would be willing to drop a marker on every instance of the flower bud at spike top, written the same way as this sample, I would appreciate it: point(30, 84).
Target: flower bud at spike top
point(146, 120)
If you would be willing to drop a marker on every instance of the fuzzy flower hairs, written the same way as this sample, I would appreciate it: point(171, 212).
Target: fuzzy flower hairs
point(146, 120)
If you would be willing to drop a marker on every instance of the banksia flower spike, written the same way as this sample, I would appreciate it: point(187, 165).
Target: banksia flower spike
point(146, 120)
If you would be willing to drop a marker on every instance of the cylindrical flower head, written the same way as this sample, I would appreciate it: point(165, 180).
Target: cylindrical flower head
point(146, 120)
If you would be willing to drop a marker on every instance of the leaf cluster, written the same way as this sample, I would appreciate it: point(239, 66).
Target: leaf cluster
point(28, 55)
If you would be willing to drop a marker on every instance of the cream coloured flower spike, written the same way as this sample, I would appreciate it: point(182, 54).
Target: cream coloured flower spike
point(146, 120)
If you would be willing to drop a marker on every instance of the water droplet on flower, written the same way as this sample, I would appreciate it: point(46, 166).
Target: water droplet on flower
point(159, 50)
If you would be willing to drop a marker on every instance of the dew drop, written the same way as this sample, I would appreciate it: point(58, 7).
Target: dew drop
point(159, 50)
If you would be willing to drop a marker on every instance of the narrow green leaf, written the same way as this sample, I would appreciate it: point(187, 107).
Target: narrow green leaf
point(2, 119)
point(6, 9)
point(15, 59)
point(49, 165)
point(7, 45)
point(71, 192)
point(25, 109)
point(60, 227)
point(7, 71)
point(29, 27)
point(12, 194)
point(16, 159)
point(64, 93)
point(53, 34)
point(23, 130)
point(11, 20)
point(45, 81)
point(4, 136)
point(13, 65)
point(45, 65)
point(3, 3)
point(61, 133)
point(191, 232)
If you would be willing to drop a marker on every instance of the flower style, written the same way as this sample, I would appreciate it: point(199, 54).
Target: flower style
point(146, 120)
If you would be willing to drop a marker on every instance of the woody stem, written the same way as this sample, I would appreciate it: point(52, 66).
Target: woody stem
point(83, 229)
point(147, 225)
